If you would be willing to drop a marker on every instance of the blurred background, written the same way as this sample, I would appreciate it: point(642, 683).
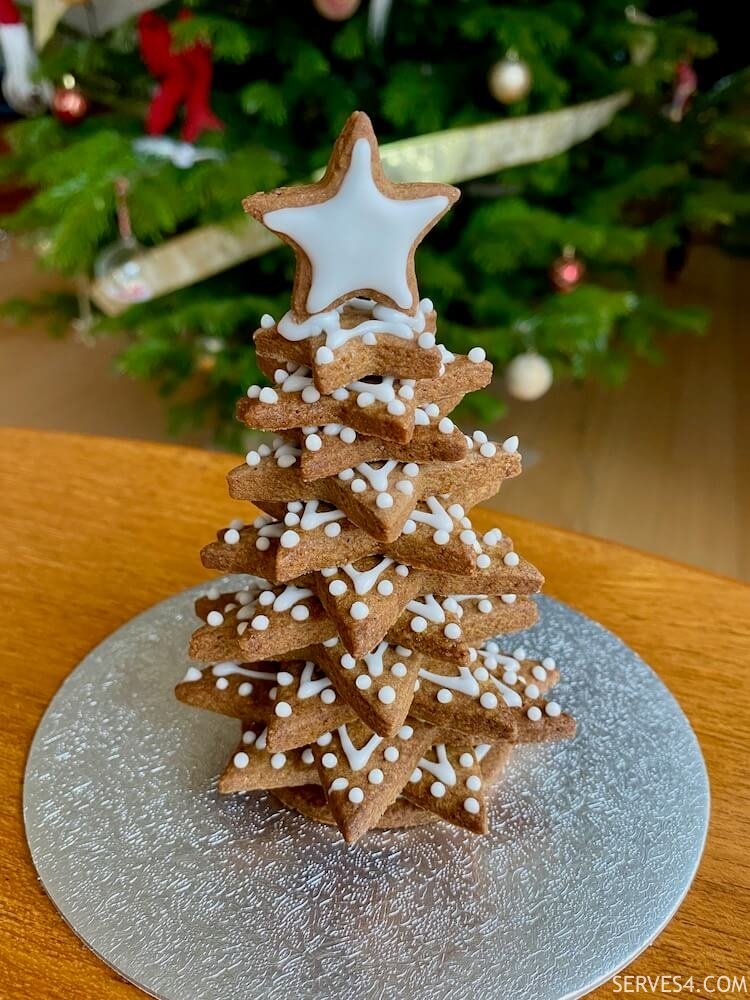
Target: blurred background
point(599, 253)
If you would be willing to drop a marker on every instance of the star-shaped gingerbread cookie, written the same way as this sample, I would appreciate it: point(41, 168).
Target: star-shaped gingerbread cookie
point(354, 231)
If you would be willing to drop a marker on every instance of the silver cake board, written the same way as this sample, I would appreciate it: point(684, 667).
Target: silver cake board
point(192, 896)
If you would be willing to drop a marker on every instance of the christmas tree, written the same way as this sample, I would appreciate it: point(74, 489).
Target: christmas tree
point(358, 663)
point(259, 93)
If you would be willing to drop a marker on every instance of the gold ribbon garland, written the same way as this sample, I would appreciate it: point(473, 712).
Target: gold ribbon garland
point(452, 156)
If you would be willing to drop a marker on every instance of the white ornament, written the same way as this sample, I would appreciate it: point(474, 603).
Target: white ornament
point(528, 376)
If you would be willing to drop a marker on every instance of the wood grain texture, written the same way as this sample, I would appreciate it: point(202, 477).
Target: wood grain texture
point(94, 530)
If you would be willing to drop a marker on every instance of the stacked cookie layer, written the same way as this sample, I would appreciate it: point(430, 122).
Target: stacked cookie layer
point(359, 663)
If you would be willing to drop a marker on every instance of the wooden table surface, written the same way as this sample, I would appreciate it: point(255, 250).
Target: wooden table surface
point(94, 530)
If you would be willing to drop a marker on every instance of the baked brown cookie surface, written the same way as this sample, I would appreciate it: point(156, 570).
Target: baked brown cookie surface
point(370, 660)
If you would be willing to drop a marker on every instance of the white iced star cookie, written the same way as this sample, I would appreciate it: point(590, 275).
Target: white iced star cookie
point(354, 231)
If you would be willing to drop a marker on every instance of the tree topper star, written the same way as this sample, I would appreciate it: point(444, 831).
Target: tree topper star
point(354, 231)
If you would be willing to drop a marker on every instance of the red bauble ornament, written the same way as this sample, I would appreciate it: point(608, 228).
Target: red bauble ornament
point(567, 271)
point(69, 103)
point(336, 10)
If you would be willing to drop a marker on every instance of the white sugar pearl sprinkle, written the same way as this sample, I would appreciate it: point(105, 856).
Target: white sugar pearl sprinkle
point(402, 570)
point(385, 588)
point(332, 530)
point(324, 739)
point(329, 760)
point(488, 700)
point(310, 394)
point(405, 732)
point(384, 501)
point(267, 321)
point(241, 759)
point(415, 776)
point(391, 754)
point(387, 695)
point(510, 445)
point(291, 519)
point(283, 709)
point(345, 475)
point(552, 709)
point(375, 776)
point(511, 559)
point(300, 613)
point(266, 598)
point(252, 458)
point(284, 677)
point(324, 355)
point(365, 399)
point(487, 450)
point(452, 631)
point(347, 661)
point(363, 682)
point(479, 437)
point(308, 757)
point(471, 805)
point(444, 696)
point(473, 782)
point(328, 696)
point(466, 760)
point(426, 340)
point(336, 588)
point(531, 691)
point(398, 670)
point(358, 486)
point(356, 795)
point(446, 425)
point(268, 395)
point(370, 339)
point(406, 392)
point(539, 673)
point(222, 684)
point(441, 537)
point(548, 663)
point(359, 611)
point(248, 737)
point(456, 510)
point(411, 469)
point(437, 789)
point(313, 442)
point(348, 435)
point(418, 624)
point(338, 784)
point(259, 623)
point(485, 606)
point(534, 713)
point(289, 540)
point(396, 408)
point(482, 674)
point(510, 677)
point(508, 598)
point(477, 355)
point(483, 561)
point(215, 618)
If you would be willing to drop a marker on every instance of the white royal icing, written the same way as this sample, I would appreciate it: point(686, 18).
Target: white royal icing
point(359, 238)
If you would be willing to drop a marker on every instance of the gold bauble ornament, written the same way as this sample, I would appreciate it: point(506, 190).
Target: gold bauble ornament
point(509, 79)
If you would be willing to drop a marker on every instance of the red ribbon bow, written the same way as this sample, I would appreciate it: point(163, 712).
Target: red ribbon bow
point(185, 79)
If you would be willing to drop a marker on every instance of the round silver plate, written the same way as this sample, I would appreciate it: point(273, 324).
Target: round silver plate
point(190, 896)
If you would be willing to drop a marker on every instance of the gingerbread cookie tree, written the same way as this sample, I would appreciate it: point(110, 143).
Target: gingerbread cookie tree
point(359, 664)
